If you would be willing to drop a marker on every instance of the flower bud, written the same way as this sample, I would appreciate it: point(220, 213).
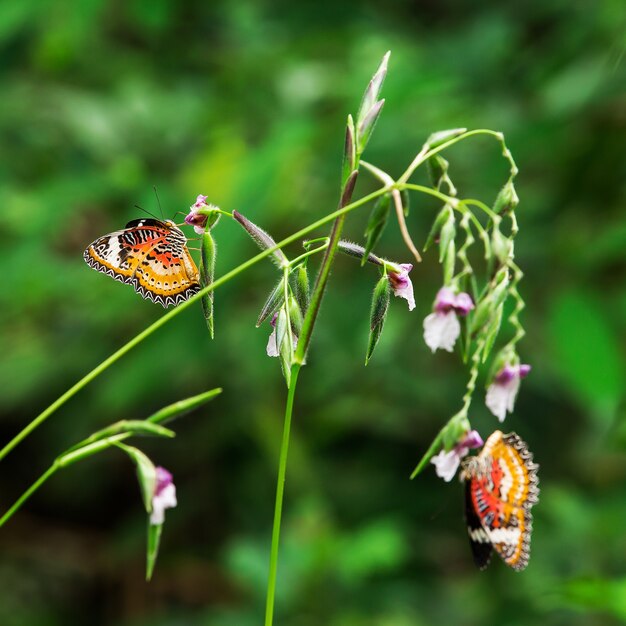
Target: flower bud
point(380, 306)
point(372, 92)
point(263, 240)
point(437, 167)
point(273, 303)
point(448, 262)
point(500, 246)
point(295, 316)
point(207, 274)
point(354, 249)
point(447, 234)
point(435, 231)
point(349, 152)
point(441, 136)
point(302, 289)
point(506, 200)
point(366, 127)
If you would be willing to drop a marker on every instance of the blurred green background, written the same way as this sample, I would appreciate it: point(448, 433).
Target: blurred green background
point(246, 102)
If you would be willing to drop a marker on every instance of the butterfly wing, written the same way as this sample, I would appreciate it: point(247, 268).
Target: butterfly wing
point(501, 491)
point(478, 536)
point(152, 256)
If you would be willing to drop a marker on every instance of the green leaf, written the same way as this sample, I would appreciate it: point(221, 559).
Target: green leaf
point(154, 540)
point(146, 473)
point(586, 349)
point(376, 225)
point(178, 409)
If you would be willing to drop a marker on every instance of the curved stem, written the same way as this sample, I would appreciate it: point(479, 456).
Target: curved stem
point(425, 153)
point(280, 491)
point(85, 380)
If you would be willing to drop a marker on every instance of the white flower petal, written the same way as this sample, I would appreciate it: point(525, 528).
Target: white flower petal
point(498, 398)
point(272, 346)
point(513, 388)
point(199, 230)
point(441, 330)
point(446, 464)
point(406, 292)
point(164, 500)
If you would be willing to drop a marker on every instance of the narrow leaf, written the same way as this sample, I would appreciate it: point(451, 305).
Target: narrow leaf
point(154, 540)
point(178, 409)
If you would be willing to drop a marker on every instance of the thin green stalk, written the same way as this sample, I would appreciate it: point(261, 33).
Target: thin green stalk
point(65, 459)
point(28, 493)
point(280, 491)
point(424, 155)
point(324, 272)
point(94, 373)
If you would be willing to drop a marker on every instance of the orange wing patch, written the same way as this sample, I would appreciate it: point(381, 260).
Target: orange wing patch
point(152, 256)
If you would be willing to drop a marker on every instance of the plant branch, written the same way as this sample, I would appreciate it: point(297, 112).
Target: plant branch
point(127, 347)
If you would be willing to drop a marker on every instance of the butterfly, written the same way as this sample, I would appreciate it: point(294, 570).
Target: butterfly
point(152, 256)
point(501, 487)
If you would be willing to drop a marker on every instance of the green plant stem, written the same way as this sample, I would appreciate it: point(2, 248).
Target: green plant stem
point(280, 491)
point(28, 493)
point(424, 155)
point(324, 272)
point(67, 458)
point(94, 373)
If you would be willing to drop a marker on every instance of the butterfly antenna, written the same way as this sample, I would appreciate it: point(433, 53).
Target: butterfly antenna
point(146, 211)
point(158, 201)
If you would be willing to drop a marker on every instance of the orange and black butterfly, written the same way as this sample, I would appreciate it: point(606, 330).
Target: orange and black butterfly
point(152, 256)
point(501, 487)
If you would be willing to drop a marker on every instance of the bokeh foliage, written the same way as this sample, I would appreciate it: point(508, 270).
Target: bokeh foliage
point(246, 102)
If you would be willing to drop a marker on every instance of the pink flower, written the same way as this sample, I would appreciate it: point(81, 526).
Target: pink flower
point(401, 283)
point(196, 216)
point(446, 463)
point(502, 391)
point(273, 349)
point(164, 496)
point(442, 327)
